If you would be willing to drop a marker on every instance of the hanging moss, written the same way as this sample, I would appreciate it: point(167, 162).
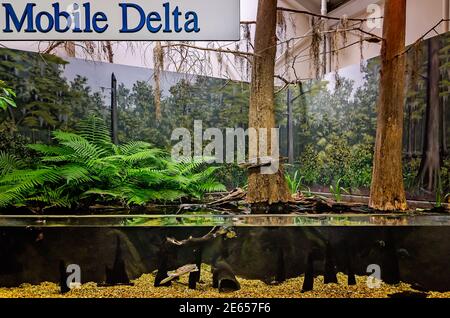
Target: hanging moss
point(220, 61)
point(316, 40)
point(344, 25)
point(335, 50)
point(361, 52)
point(288, 55)
point(281, 25)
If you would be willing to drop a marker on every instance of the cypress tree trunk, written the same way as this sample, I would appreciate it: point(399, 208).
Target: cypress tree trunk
point(387, 189)
point(264, 188)
point(431, 161)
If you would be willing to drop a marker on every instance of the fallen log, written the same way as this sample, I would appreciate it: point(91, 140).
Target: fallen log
point(235, 195)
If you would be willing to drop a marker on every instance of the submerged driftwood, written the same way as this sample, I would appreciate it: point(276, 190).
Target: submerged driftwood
point(216, 232)
point(183, 270)
point(63, 278)
point(224, 278)
point(117, 275)
point(163, 267)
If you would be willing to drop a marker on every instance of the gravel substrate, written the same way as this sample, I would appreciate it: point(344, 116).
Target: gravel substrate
point(143, 288)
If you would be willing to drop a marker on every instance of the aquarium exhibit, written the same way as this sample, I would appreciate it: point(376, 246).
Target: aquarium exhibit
point(253, 149)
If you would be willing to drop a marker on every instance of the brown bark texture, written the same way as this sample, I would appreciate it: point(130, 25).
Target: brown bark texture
point(431, 162)
point(158, 68)
point(265, 188)
point(387, 190)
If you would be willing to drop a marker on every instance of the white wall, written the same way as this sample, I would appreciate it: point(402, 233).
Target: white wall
point(140, 55)
point(422, 15)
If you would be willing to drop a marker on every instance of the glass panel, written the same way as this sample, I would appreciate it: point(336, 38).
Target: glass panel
point(207, 220)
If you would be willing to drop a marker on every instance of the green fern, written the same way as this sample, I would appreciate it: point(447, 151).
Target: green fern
point(86, 166)
point(9, 163)
point(134, 147)
point(94, 130)
point(53, 198)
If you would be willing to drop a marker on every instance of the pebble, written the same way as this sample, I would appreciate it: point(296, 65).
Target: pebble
point(143, 288)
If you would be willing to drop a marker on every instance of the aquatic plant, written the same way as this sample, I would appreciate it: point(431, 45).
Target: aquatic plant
point(294, 182)
point(337, 190)
point(86, 167)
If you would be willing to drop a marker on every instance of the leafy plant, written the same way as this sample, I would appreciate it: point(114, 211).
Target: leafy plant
point(86, 167)
point(337, 190)
point(7, 96)
point(9, 162)
point(294, 182)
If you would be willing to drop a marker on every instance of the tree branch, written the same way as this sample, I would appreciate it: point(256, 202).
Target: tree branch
point(189, 46)
point(323, 16)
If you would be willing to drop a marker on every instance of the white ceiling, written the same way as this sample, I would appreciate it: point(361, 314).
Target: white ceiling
point(314, 5)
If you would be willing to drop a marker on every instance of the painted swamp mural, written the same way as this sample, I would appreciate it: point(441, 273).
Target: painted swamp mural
point(333, 121)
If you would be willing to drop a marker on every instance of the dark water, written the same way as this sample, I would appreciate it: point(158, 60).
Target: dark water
point(412, 249)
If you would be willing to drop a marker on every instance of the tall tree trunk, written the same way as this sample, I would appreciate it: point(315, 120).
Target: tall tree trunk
point(158, 65)
point(431, 161)
point(264, 188)
point(387, 191)
point(109, 51)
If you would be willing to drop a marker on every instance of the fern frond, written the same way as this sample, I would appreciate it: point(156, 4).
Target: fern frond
point(133, 147)
point(48, 150)
point(211, 186)
point(82, 148)
point(22, 182)
point(112, 193)
point(94, 130)
point(75, 174)
point(9, 163)
point(53, 198)
point(149, 154)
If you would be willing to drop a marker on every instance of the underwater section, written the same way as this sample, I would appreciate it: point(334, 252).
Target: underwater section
point(117, 249)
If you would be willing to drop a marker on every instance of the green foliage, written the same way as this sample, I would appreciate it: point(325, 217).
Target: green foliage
point(232, 176)
point(294, 183)
point(441, 197)
point(15, 145)
point(338, 160)
point(7, 96)
point(308, 165)
point(9, 162)
point(410, 169)
point(337, 190)
point(334, 125)
point(42, 95)
point(359, 169)
point(445, 175)
point(85, 167)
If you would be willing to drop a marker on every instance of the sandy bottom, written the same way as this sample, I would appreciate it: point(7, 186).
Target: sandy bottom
point(143, 288)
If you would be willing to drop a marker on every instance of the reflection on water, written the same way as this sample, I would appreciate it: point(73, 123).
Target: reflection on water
point(207, 220)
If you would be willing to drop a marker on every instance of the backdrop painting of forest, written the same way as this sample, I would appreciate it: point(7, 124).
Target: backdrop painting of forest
point(333, 120)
